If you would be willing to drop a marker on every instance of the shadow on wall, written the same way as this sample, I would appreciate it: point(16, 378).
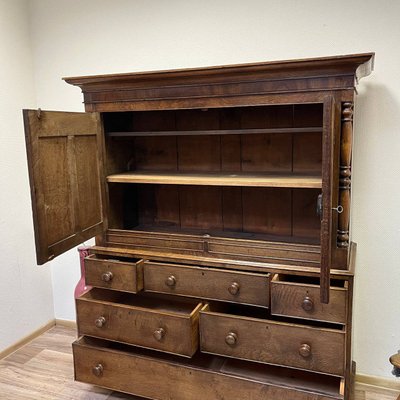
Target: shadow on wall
point(376, 220)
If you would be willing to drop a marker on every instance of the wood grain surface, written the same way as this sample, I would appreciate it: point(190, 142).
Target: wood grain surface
point(207, 283)
point(65, 166)
point(203, 377)
point(287, 299)
point(208, 179)
point(134, 320)
point(272, 342)
point(114, 274)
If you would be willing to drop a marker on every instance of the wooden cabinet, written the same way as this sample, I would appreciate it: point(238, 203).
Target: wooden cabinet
point(220, 202)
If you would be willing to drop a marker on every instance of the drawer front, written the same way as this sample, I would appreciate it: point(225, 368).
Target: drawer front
point(168, 332)
point(313, 349)
point(114, 274)
point(207, 283)
point(153, 378)
point(303, 301)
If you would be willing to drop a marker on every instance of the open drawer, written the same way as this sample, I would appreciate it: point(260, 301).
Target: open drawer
point(250, 336)
point(158, 323)
point(299, 297)
point(113, 273)
point(207, 283)
point(143, 373)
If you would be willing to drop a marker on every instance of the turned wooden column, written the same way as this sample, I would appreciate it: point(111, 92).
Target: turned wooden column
point(345, 174)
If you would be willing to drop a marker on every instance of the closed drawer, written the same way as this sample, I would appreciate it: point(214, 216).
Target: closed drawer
point(253, 338)
point(207, 283)
point(157, 323)
point(139, 372)
point(114, 274)
point(298, 297)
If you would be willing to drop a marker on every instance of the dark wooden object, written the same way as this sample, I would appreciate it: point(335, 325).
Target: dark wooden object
point(170, 378)
point(345, 174)
point(301, 300)
point(114, 274)
point(205, 183)
point(157, 323)
point(207, 283)
point(253, 338)
point(65, 167)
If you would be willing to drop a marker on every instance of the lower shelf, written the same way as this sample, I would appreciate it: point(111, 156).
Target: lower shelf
point(163, 377)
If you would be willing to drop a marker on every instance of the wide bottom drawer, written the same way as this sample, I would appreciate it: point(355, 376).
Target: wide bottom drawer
point(164, 377)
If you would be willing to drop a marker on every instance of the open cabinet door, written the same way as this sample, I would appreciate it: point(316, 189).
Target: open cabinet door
point(328, 137)
point(65, 168)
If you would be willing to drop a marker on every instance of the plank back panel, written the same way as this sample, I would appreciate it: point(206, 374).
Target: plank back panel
point(155, 153)
point(267, 211)
point(199, 153)
point(305, 221)
point(200, 208)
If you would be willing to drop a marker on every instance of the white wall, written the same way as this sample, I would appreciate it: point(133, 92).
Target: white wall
point(25, 289)
point(72, 37)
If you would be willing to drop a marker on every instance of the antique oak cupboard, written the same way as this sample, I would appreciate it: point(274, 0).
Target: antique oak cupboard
point(220, 202)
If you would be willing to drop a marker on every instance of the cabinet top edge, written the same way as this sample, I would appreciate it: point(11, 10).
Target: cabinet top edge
point(358, 64)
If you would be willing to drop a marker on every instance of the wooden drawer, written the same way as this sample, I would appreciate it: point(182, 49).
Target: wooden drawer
point(299, 297)
point(114, 274)
point(207, 283)
point(156, 322)
point(139, 372)
point(254, 338)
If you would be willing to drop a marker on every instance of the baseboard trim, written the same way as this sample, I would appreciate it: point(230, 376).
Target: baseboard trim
point(65, 323)
point(27, 339)
point(378, 381)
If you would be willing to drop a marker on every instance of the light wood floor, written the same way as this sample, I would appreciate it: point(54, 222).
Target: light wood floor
point(43, 370)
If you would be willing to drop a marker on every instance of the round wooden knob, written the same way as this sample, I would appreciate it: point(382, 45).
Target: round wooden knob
point(107, 276)
point(234, 289)
point(305, 350)
point(170, 281)
point(159, 334)
point(98, 370)
point(308, 304)
point(231, 338)
point(100, 322)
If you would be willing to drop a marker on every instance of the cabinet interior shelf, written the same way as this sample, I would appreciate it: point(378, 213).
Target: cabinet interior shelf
point(218, 132)
point(281, 180)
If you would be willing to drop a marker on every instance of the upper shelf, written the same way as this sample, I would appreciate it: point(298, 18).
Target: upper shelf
point(287, 180)
point(218, 132)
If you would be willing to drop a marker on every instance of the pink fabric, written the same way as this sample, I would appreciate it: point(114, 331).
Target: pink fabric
point(81, 286)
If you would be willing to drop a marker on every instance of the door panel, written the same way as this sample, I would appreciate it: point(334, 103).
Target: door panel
point(65, 171)
point(327, 196)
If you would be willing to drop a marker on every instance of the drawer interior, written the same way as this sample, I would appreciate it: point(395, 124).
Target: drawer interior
point(156, 303)
point(282, 376)
point(274, 375)
point(103, 257)
point(307, 280)
point(243, 311)
point(299, 297)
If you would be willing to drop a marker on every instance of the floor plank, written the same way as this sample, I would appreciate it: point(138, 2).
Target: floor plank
point(43, 369)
